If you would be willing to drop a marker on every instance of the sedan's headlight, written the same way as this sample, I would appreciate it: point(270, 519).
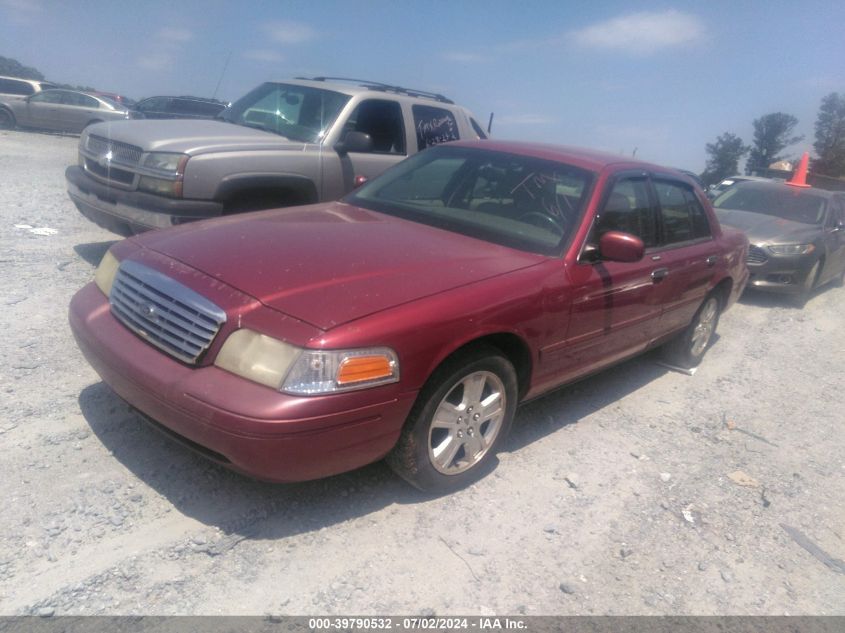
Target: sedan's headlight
point(791, 249)
point(106, 271)
point(298, 371)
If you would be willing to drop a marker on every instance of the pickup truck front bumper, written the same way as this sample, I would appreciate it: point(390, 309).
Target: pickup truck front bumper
point(130, 212)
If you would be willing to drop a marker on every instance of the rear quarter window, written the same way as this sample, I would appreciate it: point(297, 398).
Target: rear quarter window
point(434, 126)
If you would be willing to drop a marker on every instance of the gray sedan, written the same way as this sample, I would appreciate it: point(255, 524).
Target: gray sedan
point(61, 110)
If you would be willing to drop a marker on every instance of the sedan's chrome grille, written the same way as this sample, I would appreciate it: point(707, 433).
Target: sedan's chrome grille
point(123, 152)
point(756, 255)
point(169, 315)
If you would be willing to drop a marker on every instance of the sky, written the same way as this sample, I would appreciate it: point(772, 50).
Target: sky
point(654, 79)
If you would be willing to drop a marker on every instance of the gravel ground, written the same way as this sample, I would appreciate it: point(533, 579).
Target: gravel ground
point(639, 491)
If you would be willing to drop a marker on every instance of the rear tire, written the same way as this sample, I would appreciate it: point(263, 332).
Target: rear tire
point(7, 120)
point(687, 349)
point(458, 422)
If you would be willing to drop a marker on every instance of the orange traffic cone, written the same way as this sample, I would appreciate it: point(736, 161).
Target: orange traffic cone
point(799, 178)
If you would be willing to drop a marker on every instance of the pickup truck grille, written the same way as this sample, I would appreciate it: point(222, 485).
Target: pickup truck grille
point(123, 152)
point(109, 173)
point(756, 255)
point(167, 314)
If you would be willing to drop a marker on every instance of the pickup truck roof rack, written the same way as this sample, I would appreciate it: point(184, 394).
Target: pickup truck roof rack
point(375, 85)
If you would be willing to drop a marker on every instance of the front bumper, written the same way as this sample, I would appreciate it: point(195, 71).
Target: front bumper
point(128, 212)
point(783, 274)
point(245, 426)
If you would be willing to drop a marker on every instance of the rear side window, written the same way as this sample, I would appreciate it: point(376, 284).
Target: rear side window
point(434, 126)
point(14, 87)
point(682, 215)
point(629, 210)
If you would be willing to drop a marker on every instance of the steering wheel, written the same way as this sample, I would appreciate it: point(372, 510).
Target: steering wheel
point(541, 220)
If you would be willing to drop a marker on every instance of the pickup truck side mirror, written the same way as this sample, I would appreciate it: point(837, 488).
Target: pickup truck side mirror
point(617, 246)
point(354, 142)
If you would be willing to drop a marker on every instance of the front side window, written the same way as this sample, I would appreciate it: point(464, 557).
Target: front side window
point(299, 113)
point(682, 215)
point(434, 126)
point(629, 210)
point(382, 120)
point(517, 201)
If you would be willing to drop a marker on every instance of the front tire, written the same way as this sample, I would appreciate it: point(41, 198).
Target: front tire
point(7, 120)
point(688, 348)
point(800, 299)
point(459, 420)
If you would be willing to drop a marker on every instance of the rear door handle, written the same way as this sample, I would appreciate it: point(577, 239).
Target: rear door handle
point(711, 261)
point(659, 274)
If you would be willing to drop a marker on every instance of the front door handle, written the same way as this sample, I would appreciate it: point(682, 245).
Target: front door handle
point(711, 261)
point(659, 274)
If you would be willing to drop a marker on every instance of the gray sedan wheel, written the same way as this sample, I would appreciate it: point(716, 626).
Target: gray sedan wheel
point(7, 120)
point(458, 421)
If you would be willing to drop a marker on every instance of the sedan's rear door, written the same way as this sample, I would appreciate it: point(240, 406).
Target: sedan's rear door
point(687, 254)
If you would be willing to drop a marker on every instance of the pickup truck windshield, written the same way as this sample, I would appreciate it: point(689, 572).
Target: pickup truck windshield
point(517, 201)
point(297, 112)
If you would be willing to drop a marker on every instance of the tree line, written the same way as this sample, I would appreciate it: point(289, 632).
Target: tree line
point(772, 134)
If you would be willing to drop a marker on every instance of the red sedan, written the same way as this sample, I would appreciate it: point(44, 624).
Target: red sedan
point(409, 319)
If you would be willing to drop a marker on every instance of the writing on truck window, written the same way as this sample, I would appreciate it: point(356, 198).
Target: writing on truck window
point(434, 126)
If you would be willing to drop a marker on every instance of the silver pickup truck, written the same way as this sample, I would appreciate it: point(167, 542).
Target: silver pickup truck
point(284, 143)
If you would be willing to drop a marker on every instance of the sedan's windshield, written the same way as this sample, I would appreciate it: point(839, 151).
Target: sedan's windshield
point(518, 201)
point(296, 112)
point(796, 204)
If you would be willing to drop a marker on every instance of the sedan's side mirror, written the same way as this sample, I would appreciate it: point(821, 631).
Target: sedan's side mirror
point(617, 246)
point(354, 142)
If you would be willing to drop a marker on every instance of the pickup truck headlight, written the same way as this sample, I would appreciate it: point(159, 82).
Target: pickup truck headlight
point(792, 249)
point(171, 166)
point(298, 371)
point(106, 271)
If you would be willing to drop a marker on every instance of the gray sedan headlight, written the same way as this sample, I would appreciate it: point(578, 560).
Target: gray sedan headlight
point(792, 249)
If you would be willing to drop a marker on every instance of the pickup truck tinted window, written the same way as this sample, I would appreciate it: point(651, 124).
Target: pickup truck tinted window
point(433, 126)
point(382, 120)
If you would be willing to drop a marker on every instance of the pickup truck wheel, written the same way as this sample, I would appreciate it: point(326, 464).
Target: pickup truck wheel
point(7, 120)
point(457, 423)
point(245, 203)
point(688, 348)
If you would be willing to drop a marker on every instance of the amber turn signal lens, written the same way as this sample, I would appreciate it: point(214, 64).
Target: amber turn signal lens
point(364, 368)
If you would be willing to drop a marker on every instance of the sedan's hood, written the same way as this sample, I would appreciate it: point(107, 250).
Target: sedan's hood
point(767, 229)
point(332, 263)
point(192, 136)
